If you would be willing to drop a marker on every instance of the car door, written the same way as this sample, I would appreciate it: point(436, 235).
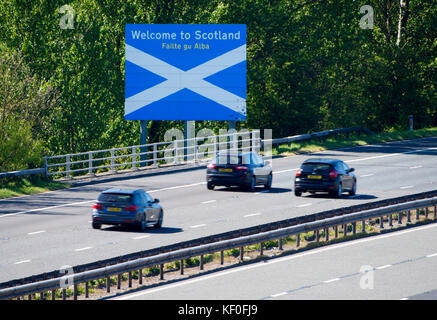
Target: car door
point(152, 208)
point(258, 167)
point(349, 176)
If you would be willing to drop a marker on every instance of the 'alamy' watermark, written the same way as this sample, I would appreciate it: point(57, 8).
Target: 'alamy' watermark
point(368, 277)
point(67, 20)
point(366, 21)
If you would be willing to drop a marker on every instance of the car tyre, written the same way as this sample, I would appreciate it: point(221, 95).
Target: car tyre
point(96, 225)
point(354, 189)
point(210, 186)
point(252, 183)
point(297, 193)
point(268, 185)
point(339, 191)
point(159, 223)
point(142, 225)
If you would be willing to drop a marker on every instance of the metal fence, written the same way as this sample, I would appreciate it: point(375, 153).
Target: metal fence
point(195, 150)
point(402, 211)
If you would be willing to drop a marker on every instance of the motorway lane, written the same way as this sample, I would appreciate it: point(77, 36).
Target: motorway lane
point(49, 238)
point(399, 265)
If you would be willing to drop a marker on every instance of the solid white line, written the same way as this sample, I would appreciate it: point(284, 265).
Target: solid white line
point(209, 201)
point(407, 187)
point(251, 215)
point(47, 208)
point(278, 294)
point(20, 262)
point(331, 280)
point(82, 249)
point(36, 232)
point(431, 255)
point(303, 205)
point(383, 267)
point(279, 260)
point(198, 226)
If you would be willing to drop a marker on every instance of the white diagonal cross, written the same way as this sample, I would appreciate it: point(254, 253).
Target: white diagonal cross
point(178, 79)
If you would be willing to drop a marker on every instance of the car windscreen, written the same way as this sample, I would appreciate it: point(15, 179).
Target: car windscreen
point(316, 167)
point(227, 159)
point(115, 197)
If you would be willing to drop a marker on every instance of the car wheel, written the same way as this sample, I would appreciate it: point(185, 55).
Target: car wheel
point(159, 223)
point(339, 191)
point(252, 183)
point(210, 186)
point(268, 185)
point(143, 223)
point(354, 189)
point(297, 193)
point(96, 225)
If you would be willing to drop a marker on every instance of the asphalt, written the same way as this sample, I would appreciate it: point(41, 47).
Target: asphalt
point(45, 232)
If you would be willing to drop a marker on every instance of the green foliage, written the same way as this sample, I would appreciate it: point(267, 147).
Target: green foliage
point(310, 67)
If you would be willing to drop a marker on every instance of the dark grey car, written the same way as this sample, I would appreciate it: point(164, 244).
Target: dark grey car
point(326, 175)
point(127, 207)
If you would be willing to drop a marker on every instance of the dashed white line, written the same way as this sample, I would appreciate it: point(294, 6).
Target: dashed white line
point(36, 232)
point(23, 261)
point(209, 201)
point(383, 267)
point(366, 175)
point(278, 294)
point(431, 255)
point(140, 237)
point(46, 208)
point(303, 205)
point(198, 226)
point(407, 187)
point(331, 280)
point(252, 215)
point(416, 167)
point(83, 249)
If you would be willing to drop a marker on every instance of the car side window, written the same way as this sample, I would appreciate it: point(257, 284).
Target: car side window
point(339, 167)
point(260, 159)
point(148, 197)
point(346, 167)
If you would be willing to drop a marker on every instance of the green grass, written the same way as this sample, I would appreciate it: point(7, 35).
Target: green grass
point(342, 142)
point(28, 185)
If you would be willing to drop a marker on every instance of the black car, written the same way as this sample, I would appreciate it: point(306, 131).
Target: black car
point(127, 207)
point(326, 175)
point(246, 169)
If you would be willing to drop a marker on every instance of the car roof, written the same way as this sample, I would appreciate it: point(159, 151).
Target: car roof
point(324, 160)
point(121, 191)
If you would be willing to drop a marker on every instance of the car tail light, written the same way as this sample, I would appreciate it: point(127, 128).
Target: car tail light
point(131, 208)
point(97, 206)
point(211, 166)
point(298, 172)
point(241, 168)
point(333, 174)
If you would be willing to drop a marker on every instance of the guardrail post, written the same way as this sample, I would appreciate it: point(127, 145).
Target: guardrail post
point(363, 226)
point(280, 244)
point(435, 212)
point(400, 217)
point(222, 257)
point(130, 279)
point(327, 234)
point(408, 216)
point(298, 240)
point(317, 235)
point(108, 284)
point(86, 289)
point(118, 281)
point(134, 158)
point(112, 161)
point(75, 291)
point(46, 168)
point(155, 154)
point(161, 271)
point(426, 213)
point(53, 294)
point(381, 222)
point(64, 294)
point(182, 266)
point(336, 231)
point(344, 230)
point(261, 249)
point(41, 296)
point(390, 220)
point(140, 276)
point(241, 253)
point(201, 262)
point(90, 163)
point(354, 228)
point(68, 167)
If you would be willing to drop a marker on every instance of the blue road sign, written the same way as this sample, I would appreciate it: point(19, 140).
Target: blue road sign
point(185, 72)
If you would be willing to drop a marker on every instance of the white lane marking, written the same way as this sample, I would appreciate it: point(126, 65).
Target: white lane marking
point(83, 249)
point(209, 201)
point(287, 170)
point(407, 187)
point(416, 167)
point(36, 232)
point(252, 215)
point(178, 187)
point(263, 264)
point(404, 299)
point(331, 280)
point(278, 294)
point(47, 208)
point(431, 255)
point(140, 237)
point(392, 155)
point(383, 267)
point(366, 175)
point(303, 205)
point(23, 261)
point(198, 226)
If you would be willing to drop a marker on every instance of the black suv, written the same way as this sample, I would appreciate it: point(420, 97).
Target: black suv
point(326, 175)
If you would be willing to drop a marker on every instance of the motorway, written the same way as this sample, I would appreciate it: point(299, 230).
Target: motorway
point(44, 232)
point(395, 266)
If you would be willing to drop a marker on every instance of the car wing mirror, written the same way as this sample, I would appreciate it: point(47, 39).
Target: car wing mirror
point(156, 200)
point(351, 170)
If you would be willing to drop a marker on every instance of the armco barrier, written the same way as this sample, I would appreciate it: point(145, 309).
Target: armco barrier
point(150, 155)
point(320, 221)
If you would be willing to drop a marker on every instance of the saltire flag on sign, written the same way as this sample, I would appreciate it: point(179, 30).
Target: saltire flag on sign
point(185, 72)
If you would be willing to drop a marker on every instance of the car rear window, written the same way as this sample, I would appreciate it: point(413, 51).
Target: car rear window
point(115, 197)
point(227, 159)
point(316, 167)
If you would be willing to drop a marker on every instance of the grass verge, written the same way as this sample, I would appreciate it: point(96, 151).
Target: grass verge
point(28, 185)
